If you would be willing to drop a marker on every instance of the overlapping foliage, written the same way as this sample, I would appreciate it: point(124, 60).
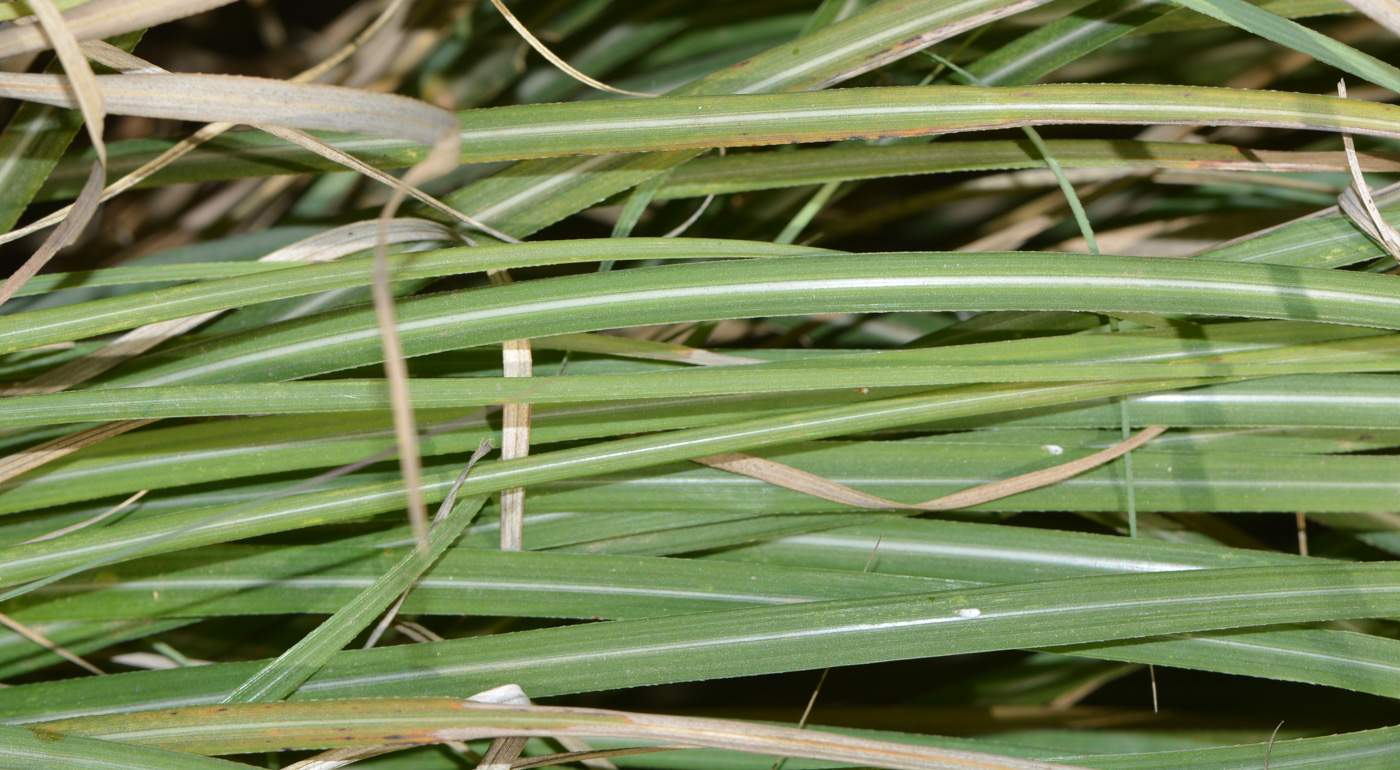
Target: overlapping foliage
point(792, 252)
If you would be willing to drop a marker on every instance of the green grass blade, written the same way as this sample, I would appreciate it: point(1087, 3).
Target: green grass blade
point(19, 656)
point(1355, 401)
point(258, 580)
point(924, 368)
point(1294, 35)
point(721, 290)
point(33, 140)
point(123, 276)
point(693, 123)
point(25, 749)
point(1357, 662)
point(1067, 39)
point(237, 580)
point(744, 172)
point(217, 451)
point(143, 307)
point(798, 637)
point(82, 550)
point(283, 676)
point(1369, 750)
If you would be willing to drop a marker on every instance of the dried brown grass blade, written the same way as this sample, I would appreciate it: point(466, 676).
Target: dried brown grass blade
point(747, 737)
point(114, 510)
point(117, 59)
point(43, 641)
point(482, 449)
point(680, 229)
point(323, 247)
point(299, 138)
point(515, 443)
point(564, 66)
point(335, 758)
point(1384, 12)
point(646, 349)
point(1356, 202)
point(255, 101)
point(396, 373)
point(253, 96)
point(446, 151)
point(62, 446)
point(590, 757)
point(52, 346)
point(125, 62)
point(293, 105)
point(810, 484)
point(417, 632)
point(104, 18)
point(152, 661)
point(504, 753)
point(80, 84)
point(343, 53)
point(328, 760)
point(517, 361)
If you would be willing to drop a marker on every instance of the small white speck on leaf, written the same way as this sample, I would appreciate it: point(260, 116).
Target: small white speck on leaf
point(969, 612)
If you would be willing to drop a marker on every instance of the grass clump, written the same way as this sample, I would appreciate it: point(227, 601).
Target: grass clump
point(1063, 444)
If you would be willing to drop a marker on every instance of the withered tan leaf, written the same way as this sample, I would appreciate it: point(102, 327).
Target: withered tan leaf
point(811, 484)
point(323, 247)
point(118, 508)
point(554, 59)
point(104, 18)
point(255, 101)
point(1384, 12)
point(517, 361)
point(48, 644)
point(118, 59)
point(1356, 201)
point(81, 85)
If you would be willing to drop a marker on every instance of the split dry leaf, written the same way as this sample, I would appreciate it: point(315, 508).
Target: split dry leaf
point(590, 757)
point(103, 18)
point(628, 347)
point(281, 677)
point(1384, 12)
point(80, 85)
point(429, 125)
point(1358, 204)
point(117, 59)
point(517, 361)
point(153, 661)
point(255, 101)
point(443, 510)
point(437, 720)
point(810, 484)
point(329, 760)
point(323, 247)
point(554, 59)
point(42, 454)
point(110, 512)
point(48, 644)
point(396, 375)
point(505, 750)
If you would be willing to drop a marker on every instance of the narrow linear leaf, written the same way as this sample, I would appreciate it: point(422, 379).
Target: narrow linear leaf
point(438, 720)
point(771, 639)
